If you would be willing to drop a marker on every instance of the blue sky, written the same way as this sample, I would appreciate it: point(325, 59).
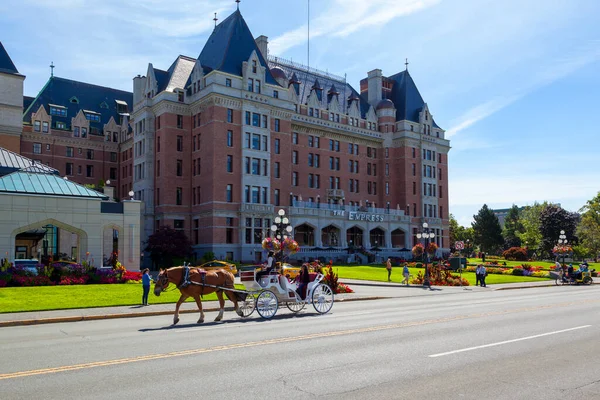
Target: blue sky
point(514, 83)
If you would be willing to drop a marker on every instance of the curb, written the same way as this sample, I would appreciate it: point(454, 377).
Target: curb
point(542, 286)
point(56, 320)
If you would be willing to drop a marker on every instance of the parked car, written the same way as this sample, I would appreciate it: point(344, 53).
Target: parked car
point(288, 270)
point(30, 265)
point(216, 264)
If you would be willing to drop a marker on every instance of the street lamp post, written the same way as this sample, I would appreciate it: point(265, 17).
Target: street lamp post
point(376, 251)
point(281, 229)
point(562, 240)
point(426, 235)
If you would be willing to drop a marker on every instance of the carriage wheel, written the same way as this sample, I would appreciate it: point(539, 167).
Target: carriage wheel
point(267, 304)
point(322, 298)
point(296, 306)
point(559, 282)
point(247, 306)
point(587, 280)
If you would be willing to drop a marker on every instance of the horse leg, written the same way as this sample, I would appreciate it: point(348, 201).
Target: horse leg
point(179, 303)
point(221, 305)
point(199, 303)
point(233, 298)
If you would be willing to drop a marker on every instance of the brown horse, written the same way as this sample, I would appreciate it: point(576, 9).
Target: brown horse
point(195, 289)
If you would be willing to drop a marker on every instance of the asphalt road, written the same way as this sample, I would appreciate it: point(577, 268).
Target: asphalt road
point(538, 343)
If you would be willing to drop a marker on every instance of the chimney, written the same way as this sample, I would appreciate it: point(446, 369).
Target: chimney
point(263, 45)
point(375, 83)
point(139, 83)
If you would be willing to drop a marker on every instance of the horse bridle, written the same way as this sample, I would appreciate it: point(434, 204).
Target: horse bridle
point(164, 278)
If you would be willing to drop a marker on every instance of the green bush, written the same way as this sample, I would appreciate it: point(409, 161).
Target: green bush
point(517, 271)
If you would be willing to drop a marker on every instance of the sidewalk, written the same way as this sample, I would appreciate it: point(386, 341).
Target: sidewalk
point(364, 290)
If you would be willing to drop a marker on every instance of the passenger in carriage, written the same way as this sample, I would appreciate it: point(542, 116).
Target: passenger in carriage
point(266, 269)
point(303, 279)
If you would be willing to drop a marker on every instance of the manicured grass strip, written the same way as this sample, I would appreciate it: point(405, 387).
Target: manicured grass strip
point(547, 265)
point(380, 274)
point(42, 298)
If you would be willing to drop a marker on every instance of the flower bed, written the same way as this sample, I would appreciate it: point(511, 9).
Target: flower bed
point(69, 274)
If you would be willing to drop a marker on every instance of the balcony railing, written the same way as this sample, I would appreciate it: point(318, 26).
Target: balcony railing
point(339, 207)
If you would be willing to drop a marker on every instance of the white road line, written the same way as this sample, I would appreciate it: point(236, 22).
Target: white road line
point(508, 341)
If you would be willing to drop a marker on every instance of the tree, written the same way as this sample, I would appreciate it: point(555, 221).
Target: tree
point(530, 220)
point(487, 231)
point(166, 244)
point(588, 230)
point(554, 219)
point(454, 227)
point(460, 233)
point(512, 226)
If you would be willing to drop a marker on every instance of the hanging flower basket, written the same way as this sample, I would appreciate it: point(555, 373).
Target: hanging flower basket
point(418, 250)
point(271, 244)
point(560, 250)
point(432, 247)
point(290, 246)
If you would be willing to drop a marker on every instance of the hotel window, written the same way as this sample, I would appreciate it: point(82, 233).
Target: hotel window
point(440, 173)
point(257, 86)
point(229, 163)
point(248, 118)
point(79, 170)
point(58, 111)
point(113, 156)
point(387, 188)
point(250, 85)
point(178, 224)
point(277, 171)
point(311, 112)
point(414, 169)
point(387, 169)
point(331, 184)
point(227, 82)
point(277, 127)
point(351, 185)
point(255, 166)
point(37, 126)
point(179, 167)
point(70, 169)
point(317, 160)
point(311, 141)
point(369, 187)
point(69, 152)
point(350, 166)
point(440, 191)
point(317, 142)
point(179, 196)
point(317, 181)
point(337, 183)
point(277, 149)
point(256, 119)
point(255, 194)
point(45, 127)
point(294, 157)
point(255, 141)
point(275, 94)
point(356, 171)
point(331, 163)
point(350, 148)
point(253, 66)
point(310, 159)
point(90, 154)
point(276, 197)
point(264, 121)
point(37, 148)
point(310, 180)
point(179, 143)
point(90, 171)
point(331, 144)
point(369, 169)
point(337, 146)
point(294, 179)
point(180, 121)
point(337, 163)
point(61, 125)
point(414, 188)
point(180, 97)
point(374, 169)
point(229, 115)
point(158, 168)
point(263, 191)
point(229, 138)
point(113, 174)
point(441, 212)
point(265, 140)
point(294, 138)
point(47, 147)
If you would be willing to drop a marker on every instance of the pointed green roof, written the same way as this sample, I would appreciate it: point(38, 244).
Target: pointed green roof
point(32, 182)
point(230, 44)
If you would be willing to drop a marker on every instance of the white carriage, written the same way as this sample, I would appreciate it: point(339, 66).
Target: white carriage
point(266, 293)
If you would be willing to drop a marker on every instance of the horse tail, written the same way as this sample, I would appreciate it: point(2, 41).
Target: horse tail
point(229, 283)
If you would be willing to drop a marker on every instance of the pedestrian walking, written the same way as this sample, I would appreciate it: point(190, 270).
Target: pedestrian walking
point(388, 266)
point(406, 273)
point(482, 275)
point(477, 275)
point(146, 280)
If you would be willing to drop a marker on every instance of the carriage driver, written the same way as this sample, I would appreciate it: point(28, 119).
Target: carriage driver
point(266, 270)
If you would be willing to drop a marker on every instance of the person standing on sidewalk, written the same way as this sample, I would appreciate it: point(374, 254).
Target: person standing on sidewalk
point(388, 266)
point(482, 274)
point(406, 273)
point(146, 280)
point(478, 275)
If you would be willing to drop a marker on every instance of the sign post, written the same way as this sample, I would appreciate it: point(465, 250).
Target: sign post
point(460, 245)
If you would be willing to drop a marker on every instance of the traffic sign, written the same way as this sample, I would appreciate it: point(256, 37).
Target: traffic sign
point(460, 245)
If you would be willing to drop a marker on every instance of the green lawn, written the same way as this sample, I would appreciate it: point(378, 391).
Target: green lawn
point(547, 265)
point(40, 298)
point(380, 274)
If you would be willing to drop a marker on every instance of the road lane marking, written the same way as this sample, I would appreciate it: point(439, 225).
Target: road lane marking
point(151, 357)
point(508, 341)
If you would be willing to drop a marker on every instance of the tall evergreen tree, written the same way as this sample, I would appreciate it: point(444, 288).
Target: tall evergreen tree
point(512, 226)
point(553, 219)
point(487, 231)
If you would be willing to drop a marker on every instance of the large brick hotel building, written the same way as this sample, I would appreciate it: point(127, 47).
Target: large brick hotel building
point(215, 145)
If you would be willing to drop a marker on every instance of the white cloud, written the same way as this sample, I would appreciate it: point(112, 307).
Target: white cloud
point(345, 17)
point(546, 74)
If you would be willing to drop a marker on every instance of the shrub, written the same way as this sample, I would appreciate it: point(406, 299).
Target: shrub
point(131, 276)
point(72, 280)
point(515, 254)
point(19, 280)
point(517, 271)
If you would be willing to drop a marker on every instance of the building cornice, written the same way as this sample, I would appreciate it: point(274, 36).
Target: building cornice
point(71, 142)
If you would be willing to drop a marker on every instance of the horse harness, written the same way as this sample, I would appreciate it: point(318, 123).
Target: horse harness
point(185, 281)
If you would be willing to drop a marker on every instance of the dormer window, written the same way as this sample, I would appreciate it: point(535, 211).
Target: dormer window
point(74, 100)
point(180, 97)
point(37, 126)
point(76, 131)
point(257, 86)
point(317, 112)
point(59, 111)
point(104, 105)
point(253, 66)
point(250, 85)
point(92, 116)
point(227, 82)
point(276, 94)
point(122, 107)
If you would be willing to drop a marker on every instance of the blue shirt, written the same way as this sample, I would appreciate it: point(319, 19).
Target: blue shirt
point(405, 270)
point(146, 280)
